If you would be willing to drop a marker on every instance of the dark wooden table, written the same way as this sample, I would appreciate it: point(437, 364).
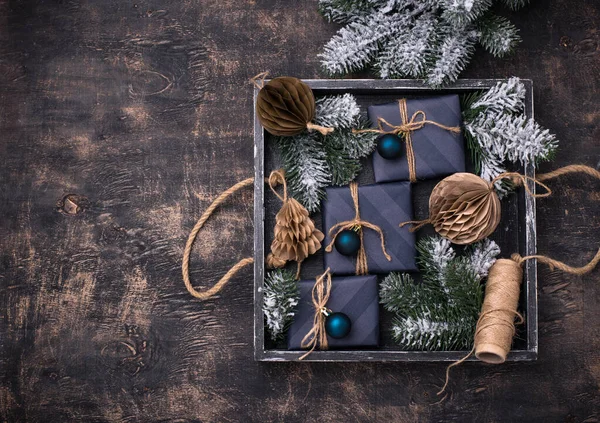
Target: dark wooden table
point(121, 120)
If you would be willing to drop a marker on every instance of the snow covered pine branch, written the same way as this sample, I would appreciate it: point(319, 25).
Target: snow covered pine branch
point(441, 312)
point(313, 161)
point(498, 132)
point(429, 39)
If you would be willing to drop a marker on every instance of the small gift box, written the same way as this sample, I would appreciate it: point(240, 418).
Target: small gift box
point(354, 296)
point(381, 206)
point(433, 143)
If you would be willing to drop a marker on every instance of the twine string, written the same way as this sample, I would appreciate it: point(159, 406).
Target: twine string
point(317, 335)
point(203, 295)
point(322, 129)
point(259, 80)
point(357, 224)
point(417, 121)
point(519, 179)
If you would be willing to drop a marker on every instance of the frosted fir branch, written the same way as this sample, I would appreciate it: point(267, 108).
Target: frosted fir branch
point(439, 313)
point(344, 11)
point(341, 111)
point(513, 138)
point(453, 55)
point(515, 4)
point(498, 35)
point(483, 256)
point(434, 255)
point(409, 53)
point(343, 168)
point(462, 12)
point(307, 172)
point(354, 145)
point(280, 298)
point(504, 97)
point(490, 168)
point(427, 334)
point(357, 44)
point(399, 294)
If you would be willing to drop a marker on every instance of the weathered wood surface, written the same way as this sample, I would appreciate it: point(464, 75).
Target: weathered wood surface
point(141, 111)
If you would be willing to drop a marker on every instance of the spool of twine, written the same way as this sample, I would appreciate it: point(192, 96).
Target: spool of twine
point(495, 328)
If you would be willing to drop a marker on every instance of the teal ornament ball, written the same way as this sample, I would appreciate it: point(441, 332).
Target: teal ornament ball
point(337, 325)
point(389, 146)
point(347, 242)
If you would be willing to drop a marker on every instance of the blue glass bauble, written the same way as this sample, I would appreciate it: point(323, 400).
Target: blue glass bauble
point(347, 242)
point(337, 325)
point(389, 146)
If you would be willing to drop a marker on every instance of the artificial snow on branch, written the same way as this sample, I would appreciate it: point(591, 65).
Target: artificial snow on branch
point(313, 161)
point(498, 132)
point(441, 312)
point(431, 39)
point(280, 298)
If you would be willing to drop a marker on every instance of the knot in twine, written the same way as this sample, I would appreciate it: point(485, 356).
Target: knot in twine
point(357, 224)
point(417, 121)
point(496, 324)
point(317, 336)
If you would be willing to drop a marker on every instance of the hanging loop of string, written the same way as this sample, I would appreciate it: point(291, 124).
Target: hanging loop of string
point(203, 295)
point(259, 80)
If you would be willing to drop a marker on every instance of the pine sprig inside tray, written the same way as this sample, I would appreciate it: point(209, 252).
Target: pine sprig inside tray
point(313, 161)
point(439, 313)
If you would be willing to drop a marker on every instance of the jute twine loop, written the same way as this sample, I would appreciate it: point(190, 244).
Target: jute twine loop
point(417, 121)
point(317, 335)
point(357, 224)
point(203, 295)
point(519, 179)
point(259, 80)
point(496, 326)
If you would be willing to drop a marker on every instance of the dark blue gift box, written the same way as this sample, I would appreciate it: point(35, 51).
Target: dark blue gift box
point(384, 205)
point(355, 296)
point(438, 152)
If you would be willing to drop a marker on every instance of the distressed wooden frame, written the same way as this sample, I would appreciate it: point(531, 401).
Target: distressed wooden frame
point(527, 231)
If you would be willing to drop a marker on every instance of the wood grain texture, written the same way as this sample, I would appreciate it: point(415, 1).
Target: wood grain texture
point(141, 112)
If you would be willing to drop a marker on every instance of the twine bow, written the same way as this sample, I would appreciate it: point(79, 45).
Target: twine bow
point(317, 335)
point(357, 224)
point(417, 121)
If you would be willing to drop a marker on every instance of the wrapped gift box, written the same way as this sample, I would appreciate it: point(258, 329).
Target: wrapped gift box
point(384, 205)
point(438, 152)
point(355, 296)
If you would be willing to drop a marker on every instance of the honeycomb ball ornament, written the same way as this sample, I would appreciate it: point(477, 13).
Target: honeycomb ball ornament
point(464, 208)
point(285, 106)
